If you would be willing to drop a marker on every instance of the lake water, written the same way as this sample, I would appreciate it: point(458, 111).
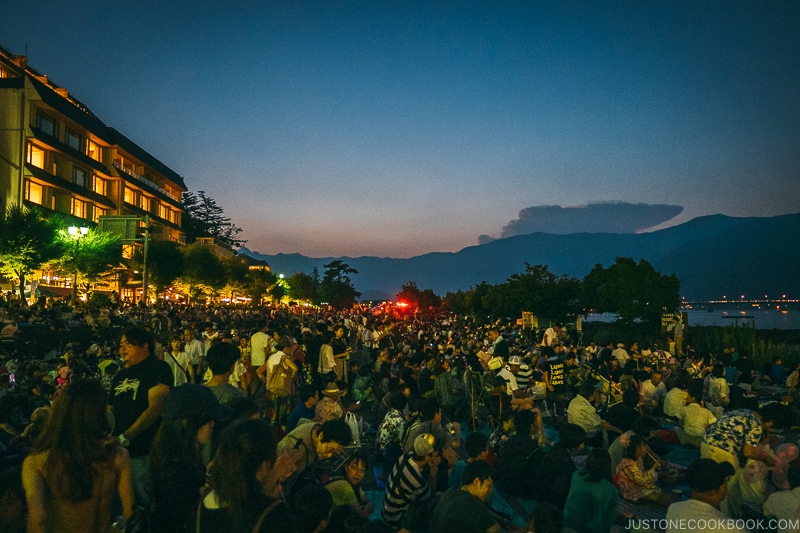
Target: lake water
point(754, 317)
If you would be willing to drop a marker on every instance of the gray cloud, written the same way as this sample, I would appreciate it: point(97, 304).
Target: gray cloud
point(606, 217)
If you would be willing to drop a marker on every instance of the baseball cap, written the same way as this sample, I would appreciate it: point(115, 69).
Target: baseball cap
point(193, 402)
point(423, 444)
point(705, 475)
point(515, 360)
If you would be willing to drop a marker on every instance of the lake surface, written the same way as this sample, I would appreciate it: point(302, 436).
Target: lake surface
point(729, 316)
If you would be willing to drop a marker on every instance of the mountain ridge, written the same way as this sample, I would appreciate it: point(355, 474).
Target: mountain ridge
point(709, 254)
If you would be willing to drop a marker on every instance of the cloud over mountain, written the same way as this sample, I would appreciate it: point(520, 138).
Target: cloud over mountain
point(602, 217)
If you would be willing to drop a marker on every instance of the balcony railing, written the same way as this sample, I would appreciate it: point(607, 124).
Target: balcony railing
point(146, 181)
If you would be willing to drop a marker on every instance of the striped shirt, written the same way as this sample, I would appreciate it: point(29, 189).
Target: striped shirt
point(406, 484)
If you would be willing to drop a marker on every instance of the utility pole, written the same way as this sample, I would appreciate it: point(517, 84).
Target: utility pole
point(145, 272)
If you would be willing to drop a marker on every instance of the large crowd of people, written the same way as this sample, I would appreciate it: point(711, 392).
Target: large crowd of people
point(233, 418)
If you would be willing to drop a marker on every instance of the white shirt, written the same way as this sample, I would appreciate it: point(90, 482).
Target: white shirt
point(550, 337)
point(784, 505)
point(696, 419)
point(674, 401)
point(650, 393)
point(620, 355)
point(196, 350)
point(510, 379)
point(258, 346)
point(582, 413)
point(691, 514)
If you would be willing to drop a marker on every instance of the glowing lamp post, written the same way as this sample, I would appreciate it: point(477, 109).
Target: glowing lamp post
point(76, 233)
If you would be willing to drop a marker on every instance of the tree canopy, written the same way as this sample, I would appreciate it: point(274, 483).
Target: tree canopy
point(28, 242)
point(336, 288)
point(92, 255)
point(202, 217)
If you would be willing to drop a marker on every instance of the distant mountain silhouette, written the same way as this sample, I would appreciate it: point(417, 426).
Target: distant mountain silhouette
point(712, 256)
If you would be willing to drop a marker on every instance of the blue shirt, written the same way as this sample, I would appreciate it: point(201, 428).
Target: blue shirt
point(299, 411)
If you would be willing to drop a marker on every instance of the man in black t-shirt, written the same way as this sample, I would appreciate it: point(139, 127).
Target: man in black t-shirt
point(554, 373)
point(137, 394)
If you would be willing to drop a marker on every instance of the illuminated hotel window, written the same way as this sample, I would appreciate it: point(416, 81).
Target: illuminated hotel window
point(99, 212)
point(79, 208)
point(99, 186)
point(79, 176)
point(48, 124)
point(3, 73)
point(35, 156)
point(94, 150)
point(163, 211)
point(74, 140)
point(127, 251)
point(144, 202)
point(34, 192)
point(130, 196)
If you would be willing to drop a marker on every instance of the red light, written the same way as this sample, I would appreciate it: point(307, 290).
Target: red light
point(402, 304)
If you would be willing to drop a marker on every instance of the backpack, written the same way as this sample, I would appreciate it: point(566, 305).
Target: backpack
point(281, 380)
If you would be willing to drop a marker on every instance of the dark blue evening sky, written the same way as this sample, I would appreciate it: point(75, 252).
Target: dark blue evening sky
point(402, 127)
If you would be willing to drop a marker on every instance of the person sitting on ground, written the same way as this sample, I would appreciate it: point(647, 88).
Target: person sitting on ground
point(520, 457)
point(516, 395)
point(554, 474)
point(429, 420)
point(311, 507)
point(410, 483)
point(694, 417)
point(346, 489)
point(221, 358)
point(582, 412)
point(719, 392)
point(652, 392)
point(635, 482)
point(390, 431)
point(330, 406)
point(463, 508)
point(708, 481)
point(624, 415)
point(309, 396)
point(245, 479)
point(784, 505)
point(645, 427)
point(477, 446)
point(546, 518)
point(676, 397)
point(591, 505)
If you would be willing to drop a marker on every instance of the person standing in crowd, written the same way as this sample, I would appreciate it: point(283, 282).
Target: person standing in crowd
point(179, 362)
point(137, 395)
point(554, 375)
point(194, 348)
point(550, 337)
point(178, 473)
point(499, 344)
point(341, 352)
point(259, 351)
point(76, 469)
point(327, 362)
point(222, 358)
point(677, 336)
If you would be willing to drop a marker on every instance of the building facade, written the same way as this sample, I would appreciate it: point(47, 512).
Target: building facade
point(55, 154)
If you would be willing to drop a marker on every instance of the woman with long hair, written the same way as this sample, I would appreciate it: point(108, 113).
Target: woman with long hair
point(178, 473)
point(75, 469)
point(179, 361)
point(245, 478)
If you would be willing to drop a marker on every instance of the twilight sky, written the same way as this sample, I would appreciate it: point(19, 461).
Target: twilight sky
point(400, 127)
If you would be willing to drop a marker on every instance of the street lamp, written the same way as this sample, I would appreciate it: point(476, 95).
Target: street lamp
point(76, 233)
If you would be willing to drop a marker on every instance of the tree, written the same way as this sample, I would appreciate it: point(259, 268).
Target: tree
point(411, 294)
point(164, 261)
point(634, 291)
point(28, 240)
point(539, 291)
point(336, 288)
point(302, 287)
point(204, 218)
point(202, 270)
point(92, 255)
